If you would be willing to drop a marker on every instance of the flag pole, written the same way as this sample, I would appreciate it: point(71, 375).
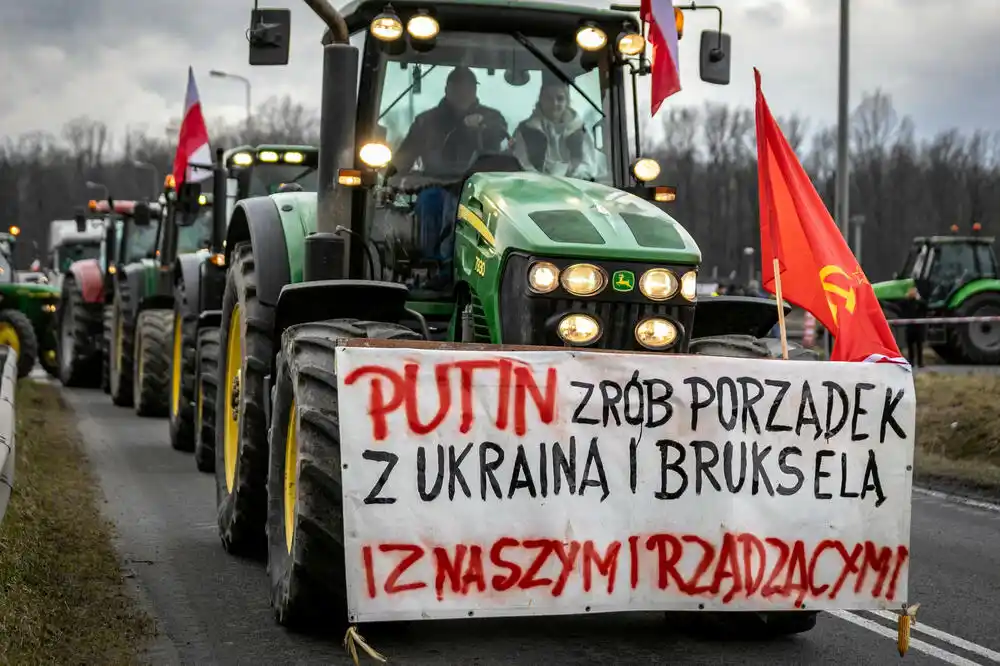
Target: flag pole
point(781, 309)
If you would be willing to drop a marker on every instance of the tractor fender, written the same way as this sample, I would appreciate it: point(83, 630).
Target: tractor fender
point(966, 291)
point(155, 302)
point(211, 286)
point(88, 274)
point(187, 271)
point(210, 319)
point(257, 220)
point(741, 315)
point(133, 275)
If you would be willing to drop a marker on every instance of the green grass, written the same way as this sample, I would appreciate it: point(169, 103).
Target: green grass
point(62, 598)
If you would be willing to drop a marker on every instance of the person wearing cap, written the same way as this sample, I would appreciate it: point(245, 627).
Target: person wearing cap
point(445, 138)
point(554, 139)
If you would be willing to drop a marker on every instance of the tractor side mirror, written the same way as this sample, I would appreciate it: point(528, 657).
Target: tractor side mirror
point(187, 198)
point(81, 221)
point(715, 57)
point(269, 35)
point(141, 215)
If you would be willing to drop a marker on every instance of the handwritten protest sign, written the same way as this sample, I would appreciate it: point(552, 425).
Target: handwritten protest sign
point(495, 483)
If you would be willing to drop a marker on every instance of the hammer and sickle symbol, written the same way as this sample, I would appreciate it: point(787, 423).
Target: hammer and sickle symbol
point(848, 296)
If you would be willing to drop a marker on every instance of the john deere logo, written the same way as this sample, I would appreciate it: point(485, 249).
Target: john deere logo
point(623, 280)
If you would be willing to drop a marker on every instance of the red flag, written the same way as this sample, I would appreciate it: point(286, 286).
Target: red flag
point(192, 143)
point(665, 66)
point(819, 273)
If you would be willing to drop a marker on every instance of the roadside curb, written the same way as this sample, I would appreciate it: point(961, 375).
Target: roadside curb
point(8, 383)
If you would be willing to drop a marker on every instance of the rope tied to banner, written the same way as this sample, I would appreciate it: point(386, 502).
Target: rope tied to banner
point(907, 618)
point(352, 639)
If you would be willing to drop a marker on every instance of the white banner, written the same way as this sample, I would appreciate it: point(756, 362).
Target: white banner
point(539, 483)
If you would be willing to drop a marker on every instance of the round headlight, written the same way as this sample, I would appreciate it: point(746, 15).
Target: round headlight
point(386, 27)
point(655, 333)
point(422, 26)
point(631, 44)
point(658, 284)
point(543, 277)
point(689, 285)
point(583, 280)
point(591, 38)
point(376, 155)
point(646, 169)
point(579, 329)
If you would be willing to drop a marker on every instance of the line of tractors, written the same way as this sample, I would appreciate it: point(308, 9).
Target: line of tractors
point(219, 305)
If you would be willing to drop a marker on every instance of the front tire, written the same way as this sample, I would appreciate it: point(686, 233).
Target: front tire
point(182, 373)
point(79, 324)
point(207, 368)
point(240, 427)
point(978, 343)
point(305, 528)
point(151, 382)
point(17, 332)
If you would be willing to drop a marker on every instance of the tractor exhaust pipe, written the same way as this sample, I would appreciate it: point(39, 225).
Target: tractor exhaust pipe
point(336, 26)
point(219, 200)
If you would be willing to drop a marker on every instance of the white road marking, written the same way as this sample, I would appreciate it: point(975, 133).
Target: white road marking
point(968, 646)
point(979, 504)
point(915, 643)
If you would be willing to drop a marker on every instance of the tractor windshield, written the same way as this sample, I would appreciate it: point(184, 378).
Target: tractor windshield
point(139, 243)
point(68, 254)
point(197, 235)
point(497, 93)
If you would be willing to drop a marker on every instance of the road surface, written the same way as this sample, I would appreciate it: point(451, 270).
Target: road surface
point(213, 609)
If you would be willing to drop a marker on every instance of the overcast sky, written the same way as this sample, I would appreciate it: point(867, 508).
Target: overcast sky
point(125, 61)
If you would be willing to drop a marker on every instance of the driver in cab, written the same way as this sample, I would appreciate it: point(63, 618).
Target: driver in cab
point(445, 138)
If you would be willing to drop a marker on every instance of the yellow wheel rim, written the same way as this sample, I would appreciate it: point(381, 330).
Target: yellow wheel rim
point(234, 364)
point(198, 417)
point(291, 473)
point(175, 384)
point(119, 334)
point(8, 336)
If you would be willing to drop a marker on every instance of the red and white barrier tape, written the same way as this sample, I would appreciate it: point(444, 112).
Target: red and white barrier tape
point(945, 320)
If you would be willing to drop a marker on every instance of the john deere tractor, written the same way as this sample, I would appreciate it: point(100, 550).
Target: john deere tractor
point(574, 254)
point(955, 276)
point(26, 312)
point(199, 279)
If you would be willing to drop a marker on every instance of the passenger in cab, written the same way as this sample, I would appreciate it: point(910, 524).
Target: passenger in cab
point(554, 139)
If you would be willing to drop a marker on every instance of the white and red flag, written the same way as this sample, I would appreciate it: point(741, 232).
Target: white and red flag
point(665, 66)
point(192, 143)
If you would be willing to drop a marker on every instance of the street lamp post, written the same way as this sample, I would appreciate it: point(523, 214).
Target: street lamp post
point(156, 174)
point(246, 82)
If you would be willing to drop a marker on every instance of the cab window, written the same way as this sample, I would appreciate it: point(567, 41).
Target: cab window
point(140, 243)
point(197, 235)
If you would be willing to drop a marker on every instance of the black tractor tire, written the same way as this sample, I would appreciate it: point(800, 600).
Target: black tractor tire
point(242, 500)
point(966, 339)
point(207, 369)
point(768, 623)
point(79, 324)
point(121, 348)
point(183, 355)
point(108, 320)
point(151, 380)
point(27, 341)
point(308, 586)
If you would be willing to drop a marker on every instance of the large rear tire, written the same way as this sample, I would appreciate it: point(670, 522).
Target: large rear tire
point(305, 528)
point(80, 323)
point(246, 351)
point(17, 332)
point(978, 344)
point(151, 383)
point(776, 623)
point(207, 368)
point(182, 373)
point(122, 340)
point(108, 317)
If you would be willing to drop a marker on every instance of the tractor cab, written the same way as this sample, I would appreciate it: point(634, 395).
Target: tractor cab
point(188, 215)
point(130, 230)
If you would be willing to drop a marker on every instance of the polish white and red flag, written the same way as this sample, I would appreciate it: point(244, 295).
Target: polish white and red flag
point(665, 66)
point(192, 143)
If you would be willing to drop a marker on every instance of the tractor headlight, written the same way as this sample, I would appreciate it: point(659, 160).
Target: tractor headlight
point(294, 157)
point(591, 38)
point(579, 329)
point(386, 27)
point(376, 155)
point(242, 159)
point(543, 277)
point(631, 44)
point(655, 333)
point(422, 26)
point(583, 280)
point(689, 285)
point(646, 169)
point(658, 284)
point(267, 156)
point(48, 307)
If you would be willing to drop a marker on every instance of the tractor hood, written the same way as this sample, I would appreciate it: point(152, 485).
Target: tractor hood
point(892, 290)
point(557, 216)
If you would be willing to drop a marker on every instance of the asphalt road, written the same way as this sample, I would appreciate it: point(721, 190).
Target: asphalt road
point(213, 609)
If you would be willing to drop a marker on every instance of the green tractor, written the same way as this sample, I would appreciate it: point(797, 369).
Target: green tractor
point(542, 255)
point(199, 279)
point(26, 312)
point(955, 276)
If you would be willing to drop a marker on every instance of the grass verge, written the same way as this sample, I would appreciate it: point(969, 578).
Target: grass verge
point(62, 598)
point(958, 431)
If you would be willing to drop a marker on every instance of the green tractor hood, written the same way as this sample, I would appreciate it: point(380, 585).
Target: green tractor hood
point(892, 290)
point(558, 216)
